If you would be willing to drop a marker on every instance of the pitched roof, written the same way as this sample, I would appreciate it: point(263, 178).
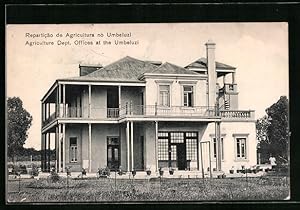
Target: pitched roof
point(202, 63)
point(127, 69)
point(169, 68)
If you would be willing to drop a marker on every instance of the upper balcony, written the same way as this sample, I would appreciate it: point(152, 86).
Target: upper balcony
point(107, 103)
point(152, 111)
point(166, 111)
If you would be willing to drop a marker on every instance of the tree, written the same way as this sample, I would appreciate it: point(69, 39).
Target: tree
point(18, 123)
point(273, 131)
point(262, 125)
point(278, 131)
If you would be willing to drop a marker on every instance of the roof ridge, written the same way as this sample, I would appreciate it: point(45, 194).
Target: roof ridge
point(105, 68)
point(163, 67)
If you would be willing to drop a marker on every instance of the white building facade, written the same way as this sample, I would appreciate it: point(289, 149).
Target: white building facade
point(141, 115)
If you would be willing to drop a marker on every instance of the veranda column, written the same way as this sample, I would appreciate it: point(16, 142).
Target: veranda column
point(90, 99)
point(90, 147)
point(59, 100)
point(64, 100)
point(233, 77)
point(64, 146)
point(218, 144)
point(43, 113)
point(156, 145)
point(56, 149)
point(45, 151)
point(49, 152)
point(131, 145)
point(42, 152)
point(56, 103)
point(119, 94)
point(128, 146)
point(59, 147)
point(49, 111)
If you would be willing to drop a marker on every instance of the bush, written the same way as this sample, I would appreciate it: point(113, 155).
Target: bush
point(61, 184)
point(19, 169)
point(103, 172)
point(54, 177)
point(34, 171)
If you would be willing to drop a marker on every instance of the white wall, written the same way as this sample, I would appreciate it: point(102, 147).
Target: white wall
point(228, 130)
point(176, 91)
point(99, 102)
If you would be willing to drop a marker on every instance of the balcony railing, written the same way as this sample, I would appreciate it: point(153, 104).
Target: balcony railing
point(237, 114)
point(49, 119)
point(154, 110)
point(74, 112)
point(78, 112)
point(112, 112)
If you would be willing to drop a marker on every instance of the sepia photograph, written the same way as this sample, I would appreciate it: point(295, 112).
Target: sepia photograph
point(147, 112)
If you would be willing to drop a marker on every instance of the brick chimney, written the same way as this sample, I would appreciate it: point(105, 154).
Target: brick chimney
point(87, 69)
point(211, 71)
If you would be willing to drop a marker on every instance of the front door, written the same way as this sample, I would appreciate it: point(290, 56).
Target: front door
point(181, 156)
point(113, 153)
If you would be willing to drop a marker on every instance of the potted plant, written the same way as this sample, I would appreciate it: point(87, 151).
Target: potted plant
point(148, 171)
point(133, 173)
point(171, 171)
point(161, 172)
point(120, 171)
point(243, 169)
point(231, 171)
point(68, 171)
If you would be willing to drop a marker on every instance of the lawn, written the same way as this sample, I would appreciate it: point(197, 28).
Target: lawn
point(107, 190)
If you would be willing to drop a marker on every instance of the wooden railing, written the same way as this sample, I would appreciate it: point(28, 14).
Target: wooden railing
point(112, 112)
point(49, 119)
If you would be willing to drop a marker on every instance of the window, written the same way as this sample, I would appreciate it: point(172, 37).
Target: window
point(191, 148)
point(168, 142)
point(113, 153)
point(177, 137)
point(73, 149)
point(173, 152)
point(164, 95)
point(188, 96)
point(241, 148)
point(163, 153)
point(215, 148)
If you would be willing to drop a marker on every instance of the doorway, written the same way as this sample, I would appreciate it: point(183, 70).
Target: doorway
point(112, 102)
point(178, 149)
point(181, 156)
point(113, 153)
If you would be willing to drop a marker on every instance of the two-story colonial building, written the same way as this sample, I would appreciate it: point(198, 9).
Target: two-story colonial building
point(141, 114)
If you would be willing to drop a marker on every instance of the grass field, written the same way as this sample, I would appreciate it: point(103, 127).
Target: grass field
point(107, 190)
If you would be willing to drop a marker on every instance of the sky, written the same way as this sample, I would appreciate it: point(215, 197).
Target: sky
point(258, 50)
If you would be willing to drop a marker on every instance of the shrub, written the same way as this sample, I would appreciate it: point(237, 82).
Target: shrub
point(54, 177)
point(103, 172)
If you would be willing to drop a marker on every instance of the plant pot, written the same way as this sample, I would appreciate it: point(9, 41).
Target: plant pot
point(171, 172)
point(231, 171)
point(133, 173)
point(161, 172)
point(148, 172)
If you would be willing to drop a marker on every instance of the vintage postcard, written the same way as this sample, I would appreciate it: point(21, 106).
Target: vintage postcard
point(147, 112)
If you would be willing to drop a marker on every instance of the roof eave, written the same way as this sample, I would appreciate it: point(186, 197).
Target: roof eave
point(171, 75)
point(49, 91)
point(95, 80)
